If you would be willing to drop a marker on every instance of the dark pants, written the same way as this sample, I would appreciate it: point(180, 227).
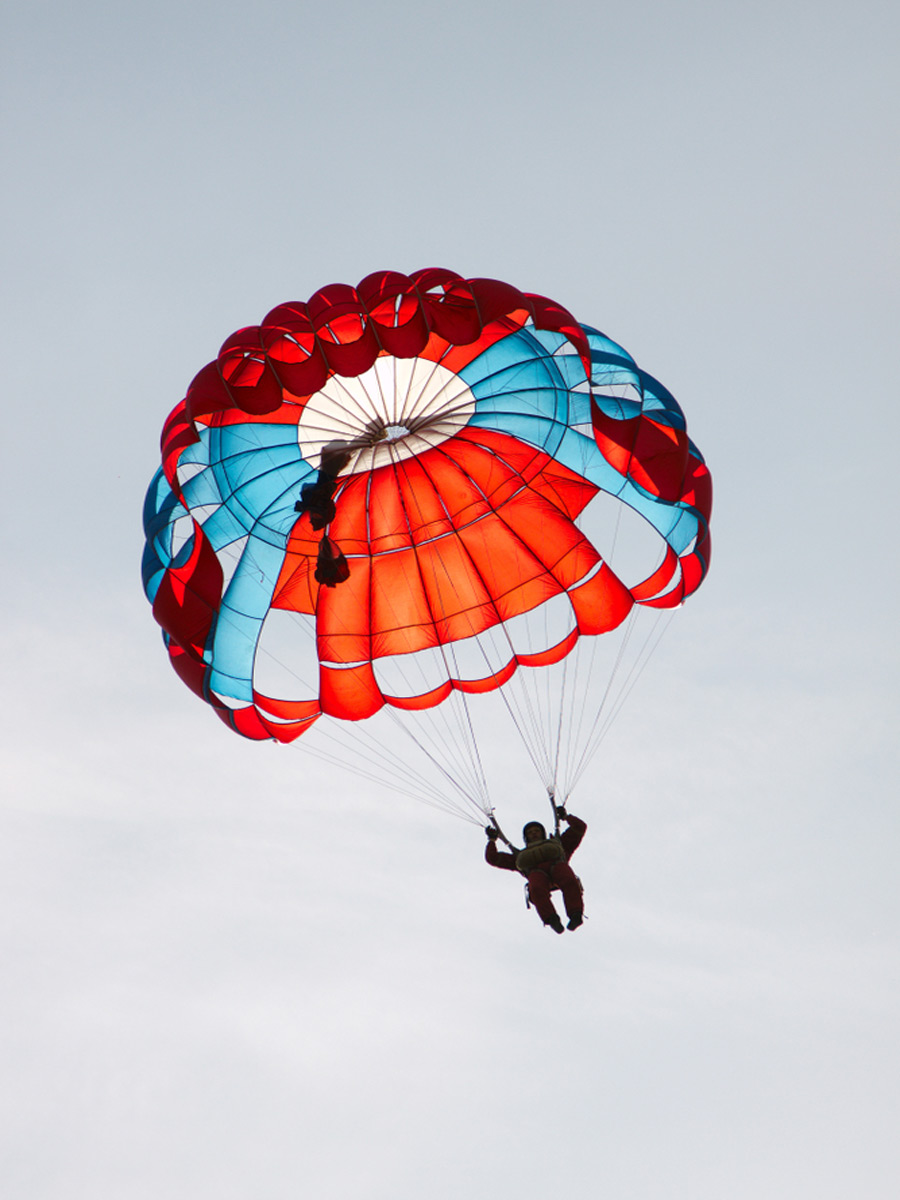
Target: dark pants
point(558, 877)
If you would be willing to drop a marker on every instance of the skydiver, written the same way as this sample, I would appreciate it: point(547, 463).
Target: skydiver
point(545, 864)
point(317, 498)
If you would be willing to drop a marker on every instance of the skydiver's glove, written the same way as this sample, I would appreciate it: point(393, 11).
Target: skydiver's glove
point(491, 832)
point(561, 812)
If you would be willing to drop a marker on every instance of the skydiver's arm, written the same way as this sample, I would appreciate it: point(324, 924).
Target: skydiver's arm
point(499, 858)
point(571, 839)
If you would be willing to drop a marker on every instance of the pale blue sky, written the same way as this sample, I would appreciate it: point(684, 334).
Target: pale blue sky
point(231, 973)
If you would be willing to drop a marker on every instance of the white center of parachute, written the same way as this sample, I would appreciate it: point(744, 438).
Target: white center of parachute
point(393, 411)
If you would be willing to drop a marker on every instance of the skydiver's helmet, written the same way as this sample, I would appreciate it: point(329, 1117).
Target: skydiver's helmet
point(534, 825)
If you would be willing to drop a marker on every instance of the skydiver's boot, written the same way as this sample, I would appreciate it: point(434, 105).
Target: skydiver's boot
point(573, 893)
point(555, 923)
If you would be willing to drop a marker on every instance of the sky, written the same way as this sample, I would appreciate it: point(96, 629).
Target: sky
point(231, 971)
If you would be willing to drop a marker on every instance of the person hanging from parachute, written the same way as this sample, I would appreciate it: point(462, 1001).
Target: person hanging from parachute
point(545, 864)
point(317, 498)
point(317, 501)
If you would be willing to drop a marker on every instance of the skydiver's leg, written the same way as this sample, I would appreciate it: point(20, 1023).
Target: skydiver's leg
point(539, 895)
point(332, 567)
point(568, 883)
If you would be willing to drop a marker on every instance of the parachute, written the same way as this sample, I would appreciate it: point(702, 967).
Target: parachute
point(404, 498)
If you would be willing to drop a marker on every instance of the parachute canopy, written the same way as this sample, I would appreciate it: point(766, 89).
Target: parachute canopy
point(467, 426)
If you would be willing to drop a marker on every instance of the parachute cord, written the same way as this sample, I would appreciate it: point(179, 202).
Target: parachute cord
point(401, 787)
point(475, 789)
point(578, 736)
point(382, 766)
point(368, 747)
point(541, 770)
point(524, 712)
point(474, 744)
point(442, 735)
point(495, 824)
point(519, 721)
point(483, 807)
point(393, 771)
point(521, 707)
point(589, 740)
point(475, 762)
point(585, 672)
point(599, 729)
point(559, 728)
point(551, 795)
point(634, 675)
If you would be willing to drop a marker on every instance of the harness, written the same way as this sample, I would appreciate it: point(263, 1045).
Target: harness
point(540, 854)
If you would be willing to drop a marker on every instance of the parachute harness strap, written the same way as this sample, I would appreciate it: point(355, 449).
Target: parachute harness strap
point(551, 795)
point(495, 824)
